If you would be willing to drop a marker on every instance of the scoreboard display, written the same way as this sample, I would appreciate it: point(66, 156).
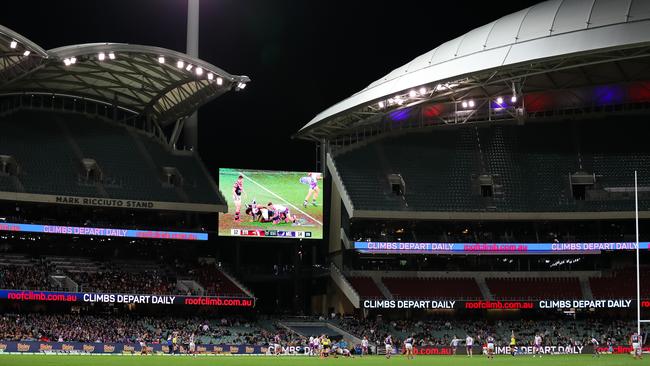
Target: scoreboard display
point(272, 204)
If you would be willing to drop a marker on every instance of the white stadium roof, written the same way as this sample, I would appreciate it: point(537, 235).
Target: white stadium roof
point(544, 31)
point(156, 82)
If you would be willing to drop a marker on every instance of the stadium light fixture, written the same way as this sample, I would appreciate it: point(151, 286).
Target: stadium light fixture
point(390, 101)
point(198, 71)
point(464, 104)
point(111, 55)
point(180, 64)
point(471, 104)
point(161, 59)
point(26, 53)
point(499, 100)
point(101, 56)
point(73, 60)
point(188, 67)
point(413, 94)
point(219, 81)
point(381, 104)
point(513, 99)
point(399, 100)
point(423, 91)
point(241, 85)
point(13, 44)
point(210, 76)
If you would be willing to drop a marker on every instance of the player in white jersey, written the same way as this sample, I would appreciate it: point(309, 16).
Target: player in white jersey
point(469, 344)
point(537, 345)
point(312, 180)
point(364, 346)
point(280, 213)
point(192, 345)
point(490, 346)
point(595, 344)
point(454, 344)
point(408, 346)
point(277, 347)
point(637, 350)
point(143, 346)
point(388, 343)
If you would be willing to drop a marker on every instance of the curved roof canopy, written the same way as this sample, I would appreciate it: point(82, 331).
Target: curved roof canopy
point(152, 81)
point(546, 31)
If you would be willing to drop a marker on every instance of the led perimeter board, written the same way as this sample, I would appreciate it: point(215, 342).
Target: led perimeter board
point(272, 204)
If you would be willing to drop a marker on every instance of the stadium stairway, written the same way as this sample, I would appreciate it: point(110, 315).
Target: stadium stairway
point(344, 285)
point(384, 290)
point(307, 329)
point(235, 282)
point(485, 290)
point(78, 153)
point(586, 288)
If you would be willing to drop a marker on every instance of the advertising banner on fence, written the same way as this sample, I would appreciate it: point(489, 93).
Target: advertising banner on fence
point(492, 248)
point(85, 297)
point(502, 350)
point(503, 305)
point(79, 347)
point(98, 231)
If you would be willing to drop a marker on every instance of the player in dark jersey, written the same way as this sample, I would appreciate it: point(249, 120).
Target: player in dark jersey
point(237, 191)
point(490, 347)
point(408, 346)
point(388, 344)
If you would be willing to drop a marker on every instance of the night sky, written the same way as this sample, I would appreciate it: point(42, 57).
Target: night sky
point(302, 56)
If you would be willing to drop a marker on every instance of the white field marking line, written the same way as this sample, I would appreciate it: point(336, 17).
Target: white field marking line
point(280, 198)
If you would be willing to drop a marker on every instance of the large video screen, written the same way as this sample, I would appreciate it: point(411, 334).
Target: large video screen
point(274, 204)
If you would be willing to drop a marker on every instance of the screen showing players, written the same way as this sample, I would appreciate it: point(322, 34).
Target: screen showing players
point(274, 204)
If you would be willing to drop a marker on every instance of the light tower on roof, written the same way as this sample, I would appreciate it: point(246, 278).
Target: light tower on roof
point(191, 127)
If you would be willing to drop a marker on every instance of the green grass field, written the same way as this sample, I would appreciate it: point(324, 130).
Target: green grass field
point(264, 187)
point(570, 360)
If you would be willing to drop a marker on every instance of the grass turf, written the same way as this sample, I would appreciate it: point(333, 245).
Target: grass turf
point(283, 184)
point(549, 360)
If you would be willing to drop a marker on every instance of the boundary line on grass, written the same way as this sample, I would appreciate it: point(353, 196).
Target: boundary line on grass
point(283, 200)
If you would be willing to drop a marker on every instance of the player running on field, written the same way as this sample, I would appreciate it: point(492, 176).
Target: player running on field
point(595, 344)
point(408, 346)
point(637, 350)
point(364, 346)
point(490, 347)
point(237, 191)
point(469, 343)
point(277, 347)
point(537, 345)
point(312, 180)
point(388, 343)
point(454, 344)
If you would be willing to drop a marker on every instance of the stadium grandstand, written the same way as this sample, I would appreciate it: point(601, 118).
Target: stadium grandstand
point(496, 171)
point(109, 117)
point(494, 190)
